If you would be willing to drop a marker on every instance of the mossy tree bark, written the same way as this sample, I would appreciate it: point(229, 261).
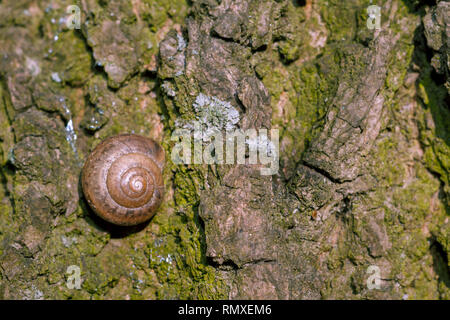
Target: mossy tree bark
point(364, 148)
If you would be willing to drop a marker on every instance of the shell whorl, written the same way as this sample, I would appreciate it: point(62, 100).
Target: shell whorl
point(122, 179)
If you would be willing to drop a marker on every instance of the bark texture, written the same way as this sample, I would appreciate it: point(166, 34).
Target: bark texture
point(364, 124)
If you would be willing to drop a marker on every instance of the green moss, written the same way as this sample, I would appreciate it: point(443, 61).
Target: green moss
point(73, 60)
point(399, 63)
point(340, 19)
point(158, 12)
point(435, 127)
point(386, 153)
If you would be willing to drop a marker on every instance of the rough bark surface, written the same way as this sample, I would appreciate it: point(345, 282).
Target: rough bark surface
point(364, 122)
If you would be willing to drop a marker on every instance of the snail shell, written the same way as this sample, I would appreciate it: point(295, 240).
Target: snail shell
point(122, 179)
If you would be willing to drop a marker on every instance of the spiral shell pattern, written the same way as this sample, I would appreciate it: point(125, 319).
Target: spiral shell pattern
point(122, 179)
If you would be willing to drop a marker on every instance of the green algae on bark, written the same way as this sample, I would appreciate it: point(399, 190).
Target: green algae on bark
point(381, 198)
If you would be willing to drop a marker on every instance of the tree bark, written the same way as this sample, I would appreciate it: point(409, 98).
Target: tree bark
point(359, 207)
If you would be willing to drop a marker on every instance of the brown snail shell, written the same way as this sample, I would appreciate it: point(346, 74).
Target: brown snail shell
point(122, 179)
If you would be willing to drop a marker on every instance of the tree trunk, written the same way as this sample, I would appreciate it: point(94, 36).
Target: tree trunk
point(358, 207)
